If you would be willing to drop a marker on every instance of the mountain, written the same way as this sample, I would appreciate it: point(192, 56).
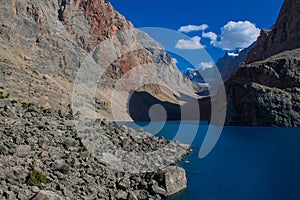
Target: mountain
point(67, 68)
point(229, 63)
point(284, 35)
point(194, 75)
point(48, 47)
point(266, 90)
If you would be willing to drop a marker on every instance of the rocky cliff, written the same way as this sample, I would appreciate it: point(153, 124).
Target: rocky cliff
point(44, 44)
point(284, 35)
point(55, 52)
point(266, 92)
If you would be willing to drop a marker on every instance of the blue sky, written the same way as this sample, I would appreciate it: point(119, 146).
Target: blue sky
point(216, 26)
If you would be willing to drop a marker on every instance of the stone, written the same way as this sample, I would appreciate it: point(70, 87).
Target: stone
point(110, 160)
point(35, 189)
point(132, 196)
point(4, 102)
point(173, 179)
point(124, 184)
point(67, 193)
point(47, 195)
point(9, 111)
point(23, 150)
point(69, 142)
point(159, 190)
point(141, 194)
point(3, 150)
point(15, 175)
point(121, 195)
point(58, 164)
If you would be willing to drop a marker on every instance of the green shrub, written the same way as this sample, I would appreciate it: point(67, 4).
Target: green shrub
point(70, 109)
point(82, 149)
point(36, 178)
point(67, 156)
point(2, 96)
point(27, 105)
point(13, 102)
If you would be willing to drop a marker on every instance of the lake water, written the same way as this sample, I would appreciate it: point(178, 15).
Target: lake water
point(247, 163)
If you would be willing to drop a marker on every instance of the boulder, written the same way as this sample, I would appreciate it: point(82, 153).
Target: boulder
point(47, 195)
point(173, 179)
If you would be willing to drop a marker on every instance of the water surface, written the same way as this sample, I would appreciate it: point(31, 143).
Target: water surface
point(247, 163)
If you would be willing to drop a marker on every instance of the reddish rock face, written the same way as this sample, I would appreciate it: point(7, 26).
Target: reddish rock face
point(284, 35)
point(45, 43)
point(102, 20)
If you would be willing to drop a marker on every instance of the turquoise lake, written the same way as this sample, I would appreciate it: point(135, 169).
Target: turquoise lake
point(247, 163)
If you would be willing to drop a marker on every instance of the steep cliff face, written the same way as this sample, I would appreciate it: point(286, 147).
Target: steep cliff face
point(45, 43)
point(284, 35)
point(267, 92)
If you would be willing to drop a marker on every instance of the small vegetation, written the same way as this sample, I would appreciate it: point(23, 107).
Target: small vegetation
point(82, 149)
point(13, 102)
point(35, 72)
point(67, 144)
point(44, 77)
point(67, 156)
point(2, 96)
point(70, 109)
point(65, 169)
point(27, 105)
point(36, 178)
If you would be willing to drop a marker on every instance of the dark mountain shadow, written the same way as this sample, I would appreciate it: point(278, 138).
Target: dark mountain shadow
point(140, 104)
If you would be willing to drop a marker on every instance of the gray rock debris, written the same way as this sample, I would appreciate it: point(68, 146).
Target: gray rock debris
point(54, 148)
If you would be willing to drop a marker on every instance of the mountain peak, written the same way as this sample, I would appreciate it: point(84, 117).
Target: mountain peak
point(284, 35)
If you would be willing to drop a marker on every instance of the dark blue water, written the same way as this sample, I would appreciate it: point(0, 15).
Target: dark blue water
point(247, 163)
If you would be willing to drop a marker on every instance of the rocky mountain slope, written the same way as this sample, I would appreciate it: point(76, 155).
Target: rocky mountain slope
point(42, 156)
point(284, 35)
point(267, 92)
point(61, 62)
point(44, 44)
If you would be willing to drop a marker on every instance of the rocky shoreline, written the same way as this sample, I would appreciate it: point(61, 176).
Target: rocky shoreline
point(42, 156)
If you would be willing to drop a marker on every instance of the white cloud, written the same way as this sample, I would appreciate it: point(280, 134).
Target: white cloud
point(190, 28)
point(239, 34)
point(206, 65)
point(211, 35)
point(193, 43)
point(175, 60)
